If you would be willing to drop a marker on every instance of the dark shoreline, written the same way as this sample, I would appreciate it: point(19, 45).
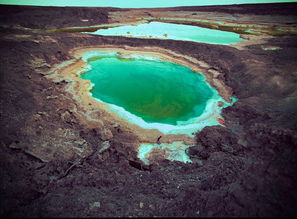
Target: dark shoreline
point(247, 168)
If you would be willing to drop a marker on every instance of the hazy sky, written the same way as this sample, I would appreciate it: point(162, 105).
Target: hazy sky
point(134, 3)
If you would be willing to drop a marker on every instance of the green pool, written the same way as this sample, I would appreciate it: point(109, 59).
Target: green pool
point(156, 91)
point(152, 93)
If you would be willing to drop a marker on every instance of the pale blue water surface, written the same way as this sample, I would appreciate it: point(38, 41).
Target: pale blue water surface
point(160, 30)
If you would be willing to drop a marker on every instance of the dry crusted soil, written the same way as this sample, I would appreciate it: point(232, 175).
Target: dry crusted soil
point(247, 168)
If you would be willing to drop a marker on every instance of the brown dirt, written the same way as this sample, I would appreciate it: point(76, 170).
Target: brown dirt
point(52, 165)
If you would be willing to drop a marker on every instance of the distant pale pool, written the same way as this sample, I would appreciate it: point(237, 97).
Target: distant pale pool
point(160, 30)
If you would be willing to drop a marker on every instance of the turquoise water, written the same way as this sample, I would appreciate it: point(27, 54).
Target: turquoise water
point(162, 30)
point(156, 91)
point(152, 93)
point(134, 3)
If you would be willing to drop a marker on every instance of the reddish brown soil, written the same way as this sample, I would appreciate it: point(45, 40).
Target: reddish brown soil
point(247, 168)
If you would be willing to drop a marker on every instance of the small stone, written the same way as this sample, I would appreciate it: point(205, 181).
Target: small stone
point(14, 145)
point(51, 97)
point(106, 134)
point(115, 125)
point(81, 150)
point(245, 36)
point(141, 204)
point(242, 142)
point(37, 117)
point(95, 205)
point(214, 72)
point(42, 113)
point(67, 116)
point(227, 148)
point(200, 163)
point(104, 146)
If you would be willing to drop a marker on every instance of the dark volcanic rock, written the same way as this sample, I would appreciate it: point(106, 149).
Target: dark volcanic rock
point(50, 17)
point(247, 168)
point(215, 139)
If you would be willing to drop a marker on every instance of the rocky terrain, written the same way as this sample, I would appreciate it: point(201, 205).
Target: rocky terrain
point(52, 165)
